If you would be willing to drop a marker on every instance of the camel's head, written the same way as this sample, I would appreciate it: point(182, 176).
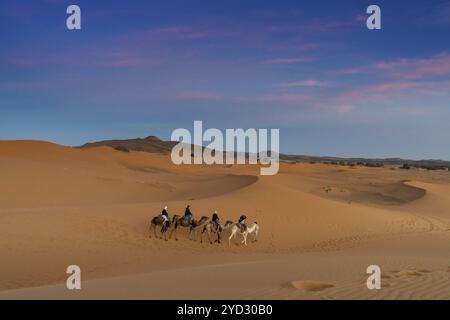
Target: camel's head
point(203, 219)
point(228, 224)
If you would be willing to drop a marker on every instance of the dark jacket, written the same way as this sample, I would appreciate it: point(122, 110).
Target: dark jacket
point(165, 213)
point(187, 212)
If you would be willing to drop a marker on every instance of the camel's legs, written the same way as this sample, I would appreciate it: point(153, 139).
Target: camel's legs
point(218, 236)
point(233, 234)
point(166, 230)
point(173, 231)
point(208, 232)
point(244, 236)
point(162, 231)
point(191, 232)
point(154, 230)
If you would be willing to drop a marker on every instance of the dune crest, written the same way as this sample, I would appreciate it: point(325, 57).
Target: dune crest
point(310, 285)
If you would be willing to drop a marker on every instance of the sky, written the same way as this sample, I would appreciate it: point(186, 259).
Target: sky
point(309, 68)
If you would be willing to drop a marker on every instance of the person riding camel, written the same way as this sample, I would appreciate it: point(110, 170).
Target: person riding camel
point(165, 215)
point(215, 221)
point(188, 214)
point(241, 223)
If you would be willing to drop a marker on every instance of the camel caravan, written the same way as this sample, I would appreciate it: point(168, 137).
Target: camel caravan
point(211, 227)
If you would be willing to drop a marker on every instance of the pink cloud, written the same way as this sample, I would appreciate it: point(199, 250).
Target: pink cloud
point(127, 62)
point(361, 18)
point(401, 79)
point(343, 108)
point(388, 87)
point(319, 25)
point(350, 71)
point(281, 99)
point(413, 69)
point(412, 111)
point(22, 63)
point(288, 60)
point(80, 57)
point(388, 91)
point(377, 92)
point(200, 96)
point(184, 32)
point(406, 69)
point(123, 59)
point(305, 83)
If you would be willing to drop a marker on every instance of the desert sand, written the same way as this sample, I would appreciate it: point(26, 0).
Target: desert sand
point(321, 226)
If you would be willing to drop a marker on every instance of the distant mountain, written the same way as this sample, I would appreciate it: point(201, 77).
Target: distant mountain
point(371, 162)
point(149, 144)
point(155, 145)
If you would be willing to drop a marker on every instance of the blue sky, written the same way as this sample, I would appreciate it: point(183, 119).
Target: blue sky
point(310, 68)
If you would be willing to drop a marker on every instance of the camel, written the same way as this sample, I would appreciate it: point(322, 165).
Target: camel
point(210, 229)
point(254, 228)
point(158, 221)
point(182, 221)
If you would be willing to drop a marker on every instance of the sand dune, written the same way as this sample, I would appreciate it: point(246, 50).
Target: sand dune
point(320, 225)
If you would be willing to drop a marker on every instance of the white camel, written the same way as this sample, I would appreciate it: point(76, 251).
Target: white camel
point(254, 228)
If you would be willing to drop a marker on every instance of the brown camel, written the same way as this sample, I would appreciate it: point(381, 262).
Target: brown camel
point(159, 221)
point(210, 227)
point(182, 221)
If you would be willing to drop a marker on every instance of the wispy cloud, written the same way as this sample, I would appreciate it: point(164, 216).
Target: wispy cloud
point(277, 99)
point(83, 57)
point(413, 69)
point(184, 32)
point(319, 25)
point(305, 83)
point(124, 59)
point(200, 96)
point(388, 92)
point(289, 60)
point(350, 71)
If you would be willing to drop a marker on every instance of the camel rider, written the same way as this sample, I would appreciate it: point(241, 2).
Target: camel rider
point(188, 214)
point(241, 223)
point(215, 220)
point(165, 215)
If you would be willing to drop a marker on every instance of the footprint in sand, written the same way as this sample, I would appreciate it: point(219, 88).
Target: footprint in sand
point(411, 272)
point(310, 285)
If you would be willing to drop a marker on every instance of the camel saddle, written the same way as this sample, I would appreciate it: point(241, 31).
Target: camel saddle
point(242, 227)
